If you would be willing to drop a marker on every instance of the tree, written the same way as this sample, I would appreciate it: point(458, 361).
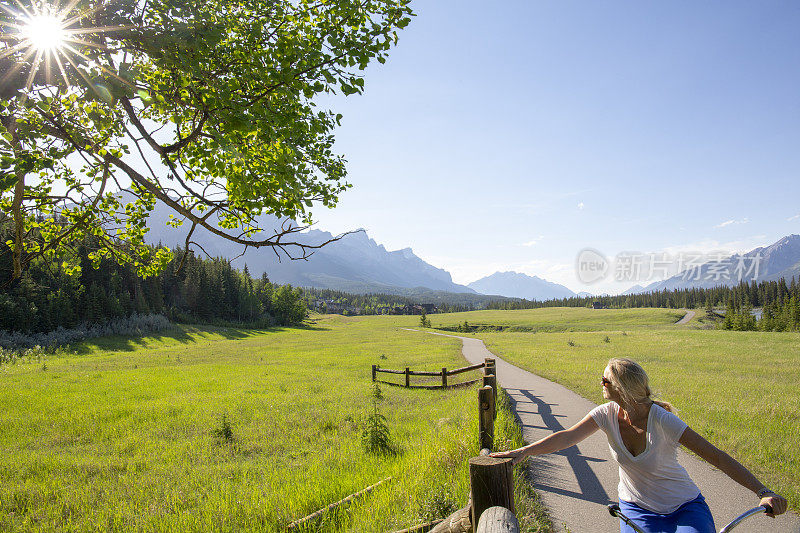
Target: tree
point(288, 306)
point(730, 312)
point(207, 107)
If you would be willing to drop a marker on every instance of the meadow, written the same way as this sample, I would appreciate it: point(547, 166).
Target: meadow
point(554, 319)
point(219, 429)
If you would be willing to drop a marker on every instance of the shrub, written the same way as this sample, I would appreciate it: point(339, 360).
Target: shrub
point(424, 321)
point(137, 325)
point(224, 431)
point(34, 354)
point(377, 394)
point(375, 437)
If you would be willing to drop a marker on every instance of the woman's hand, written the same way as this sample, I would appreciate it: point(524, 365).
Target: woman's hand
point(515, 455)
point(777, 502)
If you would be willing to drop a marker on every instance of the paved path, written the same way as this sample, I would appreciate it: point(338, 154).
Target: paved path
point(577, 483)
point(686, 318)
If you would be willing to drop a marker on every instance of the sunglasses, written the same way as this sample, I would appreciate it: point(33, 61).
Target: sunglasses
point(605, 381)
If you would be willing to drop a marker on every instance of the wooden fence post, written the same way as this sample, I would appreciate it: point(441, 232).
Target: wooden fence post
point(408, 377)
point(491, 484)
point(444, 378)
point(490, 380)
point(486, 418)
point(374, 371)
point(491, 366)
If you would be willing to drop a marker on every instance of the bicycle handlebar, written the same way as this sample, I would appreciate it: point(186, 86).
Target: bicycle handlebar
point(614, 510)
point(741, 517)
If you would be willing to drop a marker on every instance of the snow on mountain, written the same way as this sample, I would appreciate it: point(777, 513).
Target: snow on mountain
point(767, 263)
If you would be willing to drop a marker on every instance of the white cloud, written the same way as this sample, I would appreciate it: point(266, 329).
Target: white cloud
point(533, 241)
point(546, 202)
point(711, 246)
point(793, 218)
point(732, 222)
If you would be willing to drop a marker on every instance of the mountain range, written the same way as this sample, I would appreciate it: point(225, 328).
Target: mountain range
point(767, 263)
point(357, 264)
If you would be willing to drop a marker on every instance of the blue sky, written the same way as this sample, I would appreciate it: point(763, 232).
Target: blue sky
point(509, 136)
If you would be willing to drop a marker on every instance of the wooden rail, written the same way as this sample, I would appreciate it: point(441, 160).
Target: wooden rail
point(443, 374)
point(498, 519)
point(313, 516)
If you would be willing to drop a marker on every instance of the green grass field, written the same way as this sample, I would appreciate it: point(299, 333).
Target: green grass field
point(553, 319)
point(127, 434)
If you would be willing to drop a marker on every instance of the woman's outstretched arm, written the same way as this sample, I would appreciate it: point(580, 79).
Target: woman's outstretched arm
point(732, 468)
point(555, 441)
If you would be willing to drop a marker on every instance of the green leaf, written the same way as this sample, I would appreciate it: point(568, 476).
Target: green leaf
point(7, 181)
point(247, 70)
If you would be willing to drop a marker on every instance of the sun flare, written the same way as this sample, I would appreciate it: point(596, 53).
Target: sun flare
point(51, 37)
point(44, 32)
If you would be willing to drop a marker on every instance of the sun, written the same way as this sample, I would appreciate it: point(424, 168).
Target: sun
point(44, 32)
point(53, 36)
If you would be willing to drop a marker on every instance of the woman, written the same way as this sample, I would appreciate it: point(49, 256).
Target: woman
point(643, 434)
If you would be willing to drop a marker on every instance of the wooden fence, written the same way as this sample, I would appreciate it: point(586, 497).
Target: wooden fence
point(491, 479)
point(491, 501)
point(443, 374)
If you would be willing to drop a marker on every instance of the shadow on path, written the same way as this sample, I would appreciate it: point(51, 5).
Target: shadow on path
point(591, 489)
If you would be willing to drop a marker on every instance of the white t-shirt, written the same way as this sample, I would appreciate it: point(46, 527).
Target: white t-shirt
point(654, 479)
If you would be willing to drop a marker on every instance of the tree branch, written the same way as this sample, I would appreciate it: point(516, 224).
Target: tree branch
point(182, 143)
point(126, 105)
point(273, 241)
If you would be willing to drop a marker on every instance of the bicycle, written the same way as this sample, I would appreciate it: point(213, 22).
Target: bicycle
point(615, 511)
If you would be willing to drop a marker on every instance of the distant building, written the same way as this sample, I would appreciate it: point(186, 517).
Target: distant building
point(416, 309)
point(333, 307)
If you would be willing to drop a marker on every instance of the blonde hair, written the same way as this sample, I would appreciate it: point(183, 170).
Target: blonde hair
point(630, 379)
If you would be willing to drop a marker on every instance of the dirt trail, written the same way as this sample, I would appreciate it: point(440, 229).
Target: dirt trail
point(686, 318)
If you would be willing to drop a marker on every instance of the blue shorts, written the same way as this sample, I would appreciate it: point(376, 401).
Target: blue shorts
point(691, 517)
